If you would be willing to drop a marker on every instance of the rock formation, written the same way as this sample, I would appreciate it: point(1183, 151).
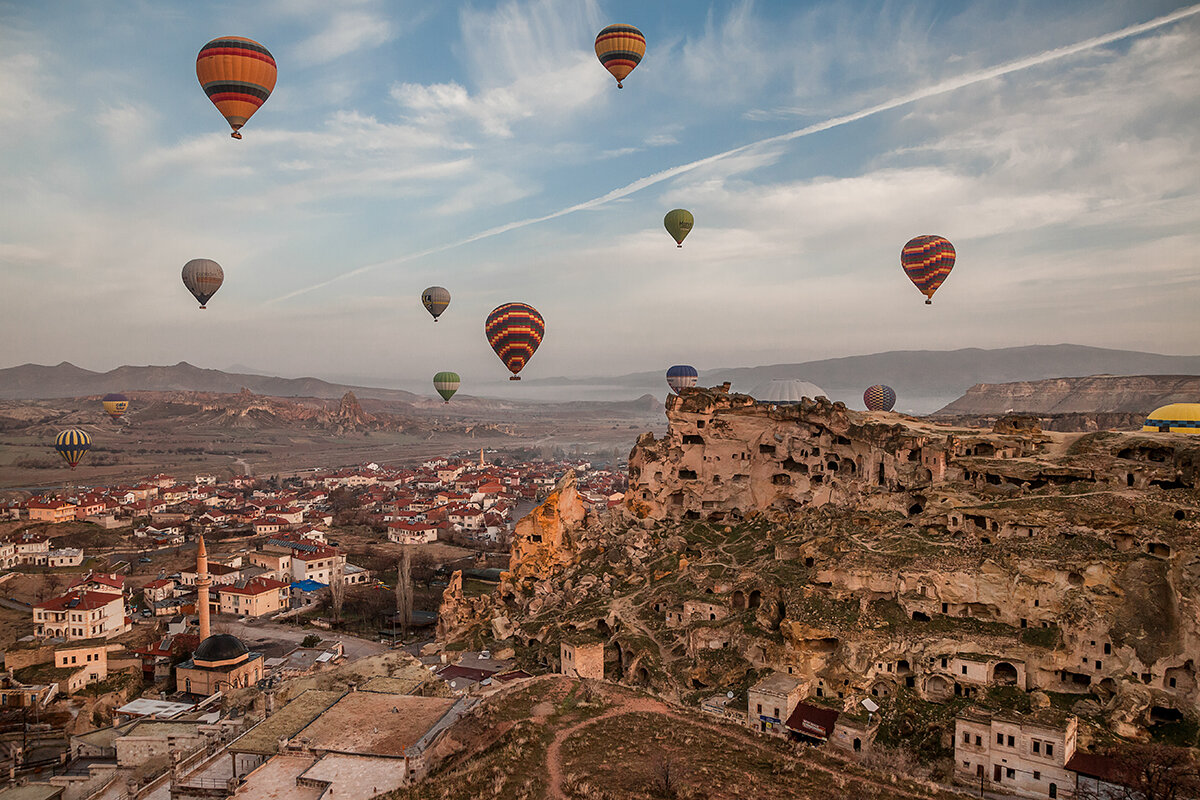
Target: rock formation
point(871, 554)
point(1130, 394)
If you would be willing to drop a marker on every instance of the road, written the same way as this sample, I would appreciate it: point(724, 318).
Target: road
point(250, 630)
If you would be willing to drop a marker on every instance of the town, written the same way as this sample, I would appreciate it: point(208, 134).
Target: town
point(128, 606)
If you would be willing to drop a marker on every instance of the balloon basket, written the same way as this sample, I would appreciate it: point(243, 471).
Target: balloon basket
point(928, 302)
point(515, 378)
point(235, 135)
point(620, 85)
point(203, 307)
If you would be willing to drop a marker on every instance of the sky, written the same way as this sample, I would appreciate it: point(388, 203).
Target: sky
point(482, 147)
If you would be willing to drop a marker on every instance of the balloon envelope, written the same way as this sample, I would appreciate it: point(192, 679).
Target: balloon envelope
point(447, 384)
point(72, 444)
point(202, 277)
point(681, 376)
point(879, 398)
point(435, 299)
point(678, 223)
point(927, 260)
point(115, 404)
point(514, 330)
point(620, 48)
point(238, 75)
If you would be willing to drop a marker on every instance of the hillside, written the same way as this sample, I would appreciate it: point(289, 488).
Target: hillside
point(926, 380)
point(1134, 394)
point(923, 566)
point(34, 381)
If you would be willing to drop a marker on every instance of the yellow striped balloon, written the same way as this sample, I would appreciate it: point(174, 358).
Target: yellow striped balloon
point(238, 75)
point(620, 48)
point(72, 444)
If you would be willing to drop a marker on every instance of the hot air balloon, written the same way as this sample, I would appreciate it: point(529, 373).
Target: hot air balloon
point(115, 404)
point(514, 330)
point(202, 277)
point(435, 299)
point(879, 398)
point(72, 444)
point(620, 48)
point(238, 75)
point(681, 376)
point(678, 223)
point(447, 384)
point(927, 260)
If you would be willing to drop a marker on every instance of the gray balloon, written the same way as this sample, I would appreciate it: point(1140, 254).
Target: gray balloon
point(202, 277)
point(435, 299)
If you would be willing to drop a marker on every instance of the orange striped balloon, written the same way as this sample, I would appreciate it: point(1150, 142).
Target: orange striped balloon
point(620, 48)
point(238, 75)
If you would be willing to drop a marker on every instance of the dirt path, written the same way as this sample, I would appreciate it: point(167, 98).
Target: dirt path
point(554, 752)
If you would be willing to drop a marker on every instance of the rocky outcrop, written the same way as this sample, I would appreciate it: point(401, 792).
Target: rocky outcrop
point(897, 555)
point(1129, 394)
point(458, 613)
point(728, 456)
point(543, 543)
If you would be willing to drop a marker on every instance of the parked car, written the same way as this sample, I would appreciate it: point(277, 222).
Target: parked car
point(144, 560)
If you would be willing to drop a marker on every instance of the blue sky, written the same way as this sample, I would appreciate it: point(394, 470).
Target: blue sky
point(398, 131)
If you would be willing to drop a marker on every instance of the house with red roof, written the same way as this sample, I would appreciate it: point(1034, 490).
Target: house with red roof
point(254, 597)
point(81, 614)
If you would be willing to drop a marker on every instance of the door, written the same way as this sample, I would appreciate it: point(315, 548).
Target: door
point(996, 773)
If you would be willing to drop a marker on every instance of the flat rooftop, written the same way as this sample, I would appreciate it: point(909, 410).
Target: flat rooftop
point(145, 707)
point(276, 780)
point(264, 737)
point(375, 723)
point(358, 776)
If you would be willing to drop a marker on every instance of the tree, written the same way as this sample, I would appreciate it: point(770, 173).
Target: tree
point(1148, 772)
point(312, 640)
point(337, 589)
point(404, 590)
point(665, 776)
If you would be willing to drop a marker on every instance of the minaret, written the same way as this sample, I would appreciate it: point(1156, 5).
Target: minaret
point(202, 584)
point(481, 463)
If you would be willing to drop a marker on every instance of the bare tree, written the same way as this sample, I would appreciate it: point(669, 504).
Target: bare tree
point(337, 589)
point(404, 590)
point(665, 776)
point(1147, 772)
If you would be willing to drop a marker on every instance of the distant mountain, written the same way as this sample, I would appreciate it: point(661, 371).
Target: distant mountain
point(925, 380)
point(34, 381)
point(1137, 394)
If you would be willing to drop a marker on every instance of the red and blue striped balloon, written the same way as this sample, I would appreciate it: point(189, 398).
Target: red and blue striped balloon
point(927, 260)
point(514, 330)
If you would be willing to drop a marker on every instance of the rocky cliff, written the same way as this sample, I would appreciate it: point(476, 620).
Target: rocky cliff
point(880, 555)
point(1133, 394)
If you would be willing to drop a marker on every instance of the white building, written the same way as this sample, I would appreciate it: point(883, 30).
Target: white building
point(1024, 754)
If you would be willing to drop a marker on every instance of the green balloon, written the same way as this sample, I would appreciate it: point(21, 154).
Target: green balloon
point(678, 223)
point(446, 384)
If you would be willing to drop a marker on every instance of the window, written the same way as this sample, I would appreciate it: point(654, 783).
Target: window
point(1049, 749)
point(966, 738)
point(1037, 746)
point(979, 741)
point(944, 662)
point(776, 714)
point(1037, 776)
point(964, 669)
point(1107, 648)
point(966, 763)
point(1053, 790)
point(999, 738)
point(1012, 742)
point(760, 709)
point(1010, 773)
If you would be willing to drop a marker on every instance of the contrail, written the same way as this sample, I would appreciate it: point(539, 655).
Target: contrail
point(936, 89)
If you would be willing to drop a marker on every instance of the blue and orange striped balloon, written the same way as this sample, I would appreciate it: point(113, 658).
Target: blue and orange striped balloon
point(620, 48)
point(927, 260)
point(238, 75)
point(514, 330)
point(879, 398)
point(72, 444)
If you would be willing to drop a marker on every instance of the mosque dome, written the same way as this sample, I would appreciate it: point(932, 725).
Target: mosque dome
point(220, 648)
point(786, 392)
point(1175, 418)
